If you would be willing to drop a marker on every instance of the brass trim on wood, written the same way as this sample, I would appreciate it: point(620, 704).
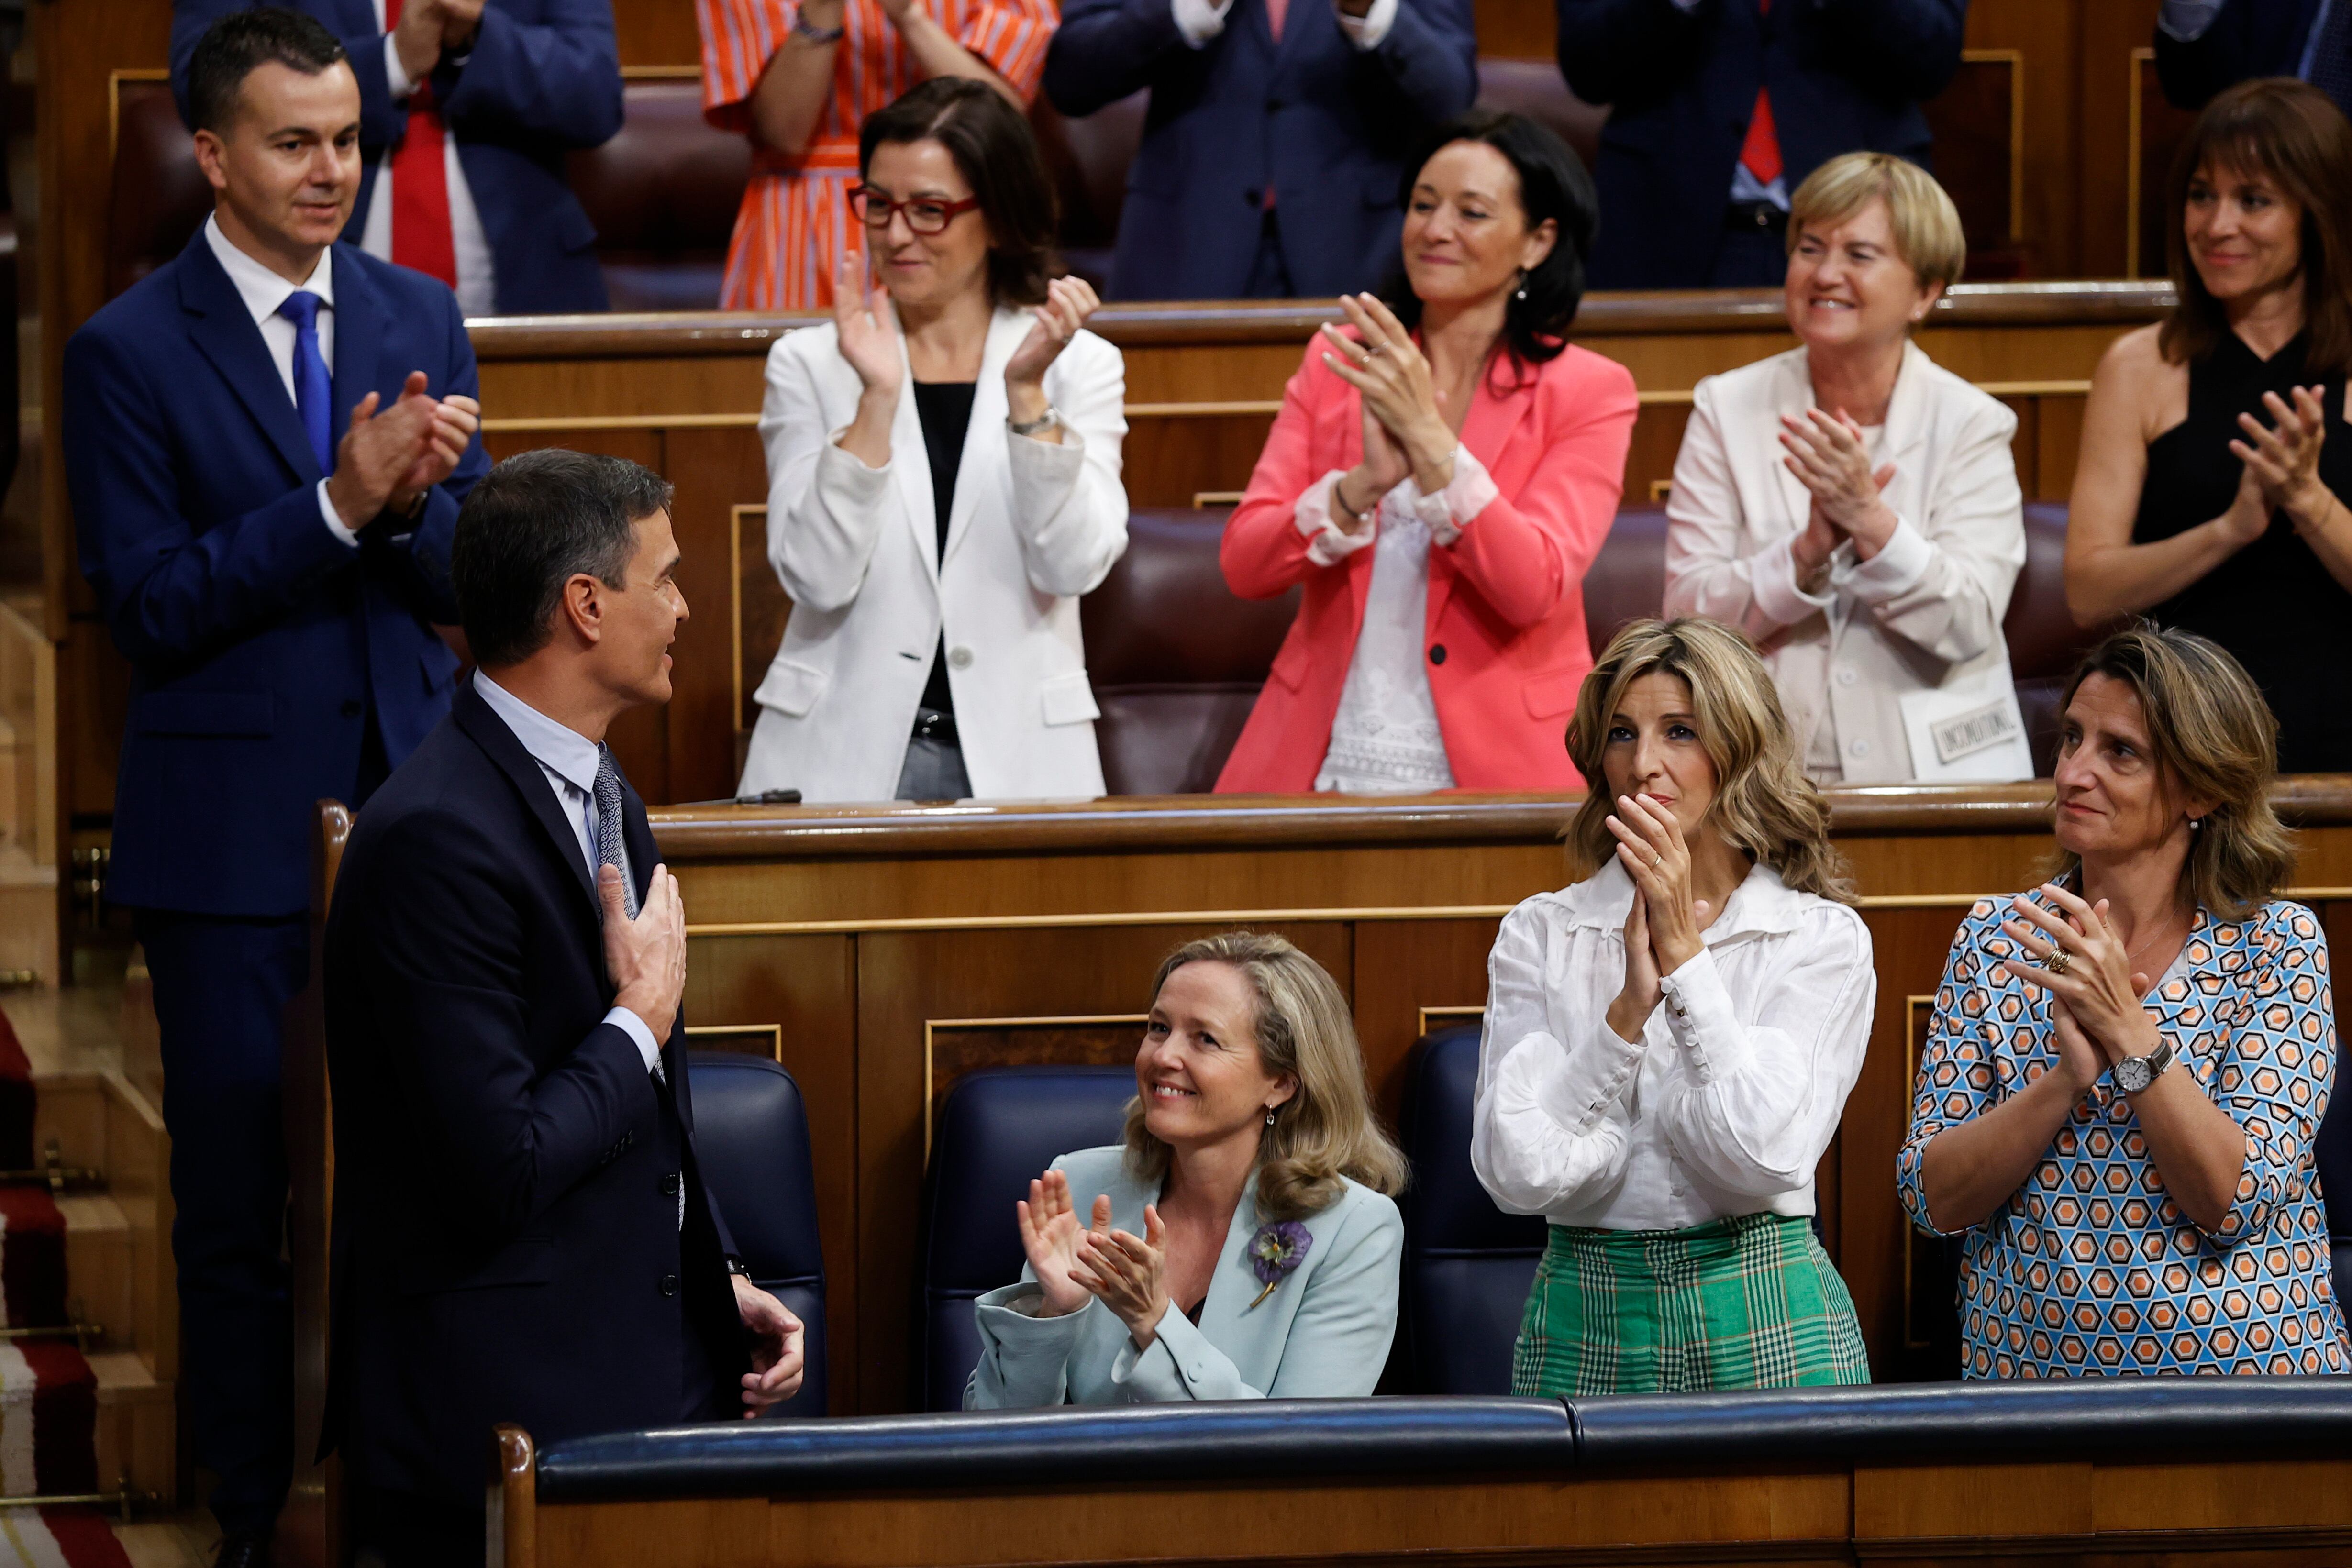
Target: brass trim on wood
point(1465, 1011)
point(1202, 498)
point(1203, 409)
point(2015, 60)
point(775, 1033)
point(114, 80)
point(931, 1027)
point(1075, 921)
point(621, 421)
point(2136, 128)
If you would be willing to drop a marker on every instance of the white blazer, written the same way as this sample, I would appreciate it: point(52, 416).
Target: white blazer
point(1032, 526)
point(1923, 614)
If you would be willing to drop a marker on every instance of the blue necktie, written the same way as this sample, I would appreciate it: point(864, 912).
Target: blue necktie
point(313, 388)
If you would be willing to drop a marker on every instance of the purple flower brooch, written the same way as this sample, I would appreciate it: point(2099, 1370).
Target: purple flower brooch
point(1277, 1248)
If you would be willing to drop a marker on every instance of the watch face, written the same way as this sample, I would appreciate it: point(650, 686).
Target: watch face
point(2134, 1074)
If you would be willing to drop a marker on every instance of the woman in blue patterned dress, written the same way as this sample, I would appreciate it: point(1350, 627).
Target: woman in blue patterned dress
point(2126, 1068)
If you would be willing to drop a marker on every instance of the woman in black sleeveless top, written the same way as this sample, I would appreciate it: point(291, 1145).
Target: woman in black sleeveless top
point(2214, 447)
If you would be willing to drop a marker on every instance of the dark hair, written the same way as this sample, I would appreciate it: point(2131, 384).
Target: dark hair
point(2214, 735)
point(532, 524)
point(996, 153)
point(1552, 185)
point(241, 41)
point(2290, 132)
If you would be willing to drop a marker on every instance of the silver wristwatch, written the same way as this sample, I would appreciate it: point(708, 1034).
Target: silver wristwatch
point(1043, 422)
point(2134, 1073)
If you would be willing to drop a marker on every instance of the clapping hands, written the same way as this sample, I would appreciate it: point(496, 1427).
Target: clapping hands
point(1827, 454)
point(1075, 1265)
point(1664, 928)
point(2283, 460)
point(387, 459)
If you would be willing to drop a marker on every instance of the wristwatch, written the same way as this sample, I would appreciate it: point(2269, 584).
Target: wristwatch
point(1045, 420)
point(2134, 1073)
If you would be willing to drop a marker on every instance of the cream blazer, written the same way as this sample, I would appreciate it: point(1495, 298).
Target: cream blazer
point(1922, 614)
point(1032, 526)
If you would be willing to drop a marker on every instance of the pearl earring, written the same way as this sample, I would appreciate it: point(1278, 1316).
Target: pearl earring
point(2195, 823)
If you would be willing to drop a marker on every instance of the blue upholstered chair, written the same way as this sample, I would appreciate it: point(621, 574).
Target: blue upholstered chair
point(997, 1129)
point(751, 1131)
point(1468, 1265)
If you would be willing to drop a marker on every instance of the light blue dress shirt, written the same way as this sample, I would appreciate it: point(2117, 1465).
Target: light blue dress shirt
point(1322, 1333)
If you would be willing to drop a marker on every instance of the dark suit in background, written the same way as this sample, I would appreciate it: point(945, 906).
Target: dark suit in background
point(1327, 126)
point(273, 665)
point(508, 1244)
point(2200, 50)
point(1681, 82)
point(542, 78)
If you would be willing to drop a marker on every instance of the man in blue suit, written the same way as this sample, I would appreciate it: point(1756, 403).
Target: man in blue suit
point(2204, 46)
point(1719, 108)
point(468, 108)
point(266, 444)
point(1277, 136)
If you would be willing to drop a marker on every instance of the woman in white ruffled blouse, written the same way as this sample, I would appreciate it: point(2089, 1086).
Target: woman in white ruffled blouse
point(1669, 1042)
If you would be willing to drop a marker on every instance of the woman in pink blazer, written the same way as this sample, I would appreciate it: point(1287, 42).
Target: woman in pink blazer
point(1439, 478)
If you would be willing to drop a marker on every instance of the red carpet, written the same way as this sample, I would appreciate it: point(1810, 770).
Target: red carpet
point(48, 1395)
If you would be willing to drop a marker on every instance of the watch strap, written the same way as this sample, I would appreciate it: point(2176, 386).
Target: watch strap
point(815, 34)
point(1045, 420)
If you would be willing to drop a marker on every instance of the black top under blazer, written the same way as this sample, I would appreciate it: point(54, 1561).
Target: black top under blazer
point(508, 1244)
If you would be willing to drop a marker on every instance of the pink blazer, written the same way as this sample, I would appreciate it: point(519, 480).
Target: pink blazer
point(1506, 636)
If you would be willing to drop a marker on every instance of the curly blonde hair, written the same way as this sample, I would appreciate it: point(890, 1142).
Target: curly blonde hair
point(1764, 805)
point(1323, 1133)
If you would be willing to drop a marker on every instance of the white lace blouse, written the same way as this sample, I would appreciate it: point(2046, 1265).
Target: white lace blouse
point(1725, 1104)
point(1385, 737)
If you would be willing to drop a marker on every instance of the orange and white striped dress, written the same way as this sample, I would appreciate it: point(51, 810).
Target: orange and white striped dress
point(795, 214)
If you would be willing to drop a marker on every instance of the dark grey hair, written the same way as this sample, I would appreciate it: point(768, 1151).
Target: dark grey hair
point(533, 523)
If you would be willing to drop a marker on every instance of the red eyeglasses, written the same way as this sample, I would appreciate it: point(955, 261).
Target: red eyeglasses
point(925, 216)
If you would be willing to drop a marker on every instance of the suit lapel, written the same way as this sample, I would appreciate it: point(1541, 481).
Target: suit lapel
point(224, 331)
point(359, 340)
point(1906, 417)
point(1792, 395)
point(1490, 429)
point(976, 472)
point(910, 463)
point(490, 733)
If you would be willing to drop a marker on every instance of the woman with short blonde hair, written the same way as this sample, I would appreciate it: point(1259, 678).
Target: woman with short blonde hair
point(1242, 1242)
point(2151, 1023)
point(1669, 1040)
point(1853, 508)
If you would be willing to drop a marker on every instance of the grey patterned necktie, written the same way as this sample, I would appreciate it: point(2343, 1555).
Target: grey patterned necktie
point(612, 847)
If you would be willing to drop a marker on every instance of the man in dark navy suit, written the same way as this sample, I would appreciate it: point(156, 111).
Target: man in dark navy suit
point(2204, 46)
point(523, 1230)
point(1275, 141)
point(468, 108)
point(266, 444)
point(1719, 108)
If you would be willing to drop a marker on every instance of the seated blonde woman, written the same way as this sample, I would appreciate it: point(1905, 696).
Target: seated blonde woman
point(1670, 1041)
point(1242, 1244)
point(1853, 508)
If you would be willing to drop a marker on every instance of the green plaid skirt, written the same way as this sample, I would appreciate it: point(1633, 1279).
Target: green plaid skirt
point(1751, 1302)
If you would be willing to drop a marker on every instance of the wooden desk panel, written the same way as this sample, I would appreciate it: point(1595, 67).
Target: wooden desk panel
point(869, 935)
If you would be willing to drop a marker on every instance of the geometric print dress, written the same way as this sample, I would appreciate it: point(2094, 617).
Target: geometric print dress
point(2090, 1269)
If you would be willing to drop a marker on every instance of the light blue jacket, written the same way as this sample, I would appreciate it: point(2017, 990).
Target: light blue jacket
point(1323, 1334)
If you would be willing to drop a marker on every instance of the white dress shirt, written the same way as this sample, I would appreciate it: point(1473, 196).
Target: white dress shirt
point(477, 284)
point(568, 759)
point(1725, 1104)
point(263, 292)
point(1200, 20)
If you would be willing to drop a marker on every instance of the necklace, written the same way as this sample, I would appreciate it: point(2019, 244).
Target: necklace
point(2132, 957)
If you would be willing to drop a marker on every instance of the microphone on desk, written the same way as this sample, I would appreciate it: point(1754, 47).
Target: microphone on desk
point(765, 798)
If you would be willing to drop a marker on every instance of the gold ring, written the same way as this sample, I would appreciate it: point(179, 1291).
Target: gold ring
point(1657, 859)
point(2059, 961)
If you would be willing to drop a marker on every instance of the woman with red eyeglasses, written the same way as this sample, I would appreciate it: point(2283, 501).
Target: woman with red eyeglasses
point(942, 483)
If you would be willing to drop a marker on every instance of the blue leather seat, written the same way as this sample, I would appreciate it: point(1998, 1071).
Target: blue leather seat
point(751, 1131)
point(1468, 1265)
point(998, 1128)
